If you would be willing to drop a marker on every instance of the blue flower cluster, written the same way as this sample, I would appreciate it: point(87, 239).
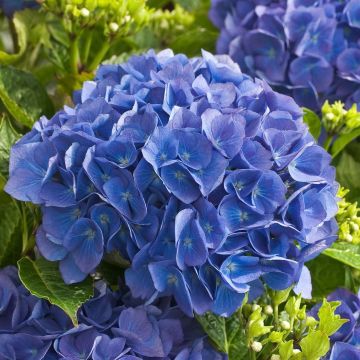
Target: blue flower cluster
point(346, 341)
point(206, 181)
point(305, 48)
point(112, 326)
point(9, 7)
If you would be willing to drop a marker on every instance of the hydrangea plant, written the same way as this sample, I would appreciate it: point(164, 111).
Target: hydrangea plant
point(207, 181)
point(112, 326)
point(309, 49)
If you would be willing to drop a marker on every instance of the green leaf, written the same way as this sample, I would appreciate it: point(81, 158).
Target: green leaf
point(348, 254)
point(343, 140)
point(279, 297)
point(23, 96)
point(192, 41)
point(22, 38)
point(348, 170)
point(8, 137)
point(326, 275)
point(315, 345)
point(286, 350)
point(42, 278)
point(313, 121)
point(329, 322)
point(226, 333)
point(10, 230)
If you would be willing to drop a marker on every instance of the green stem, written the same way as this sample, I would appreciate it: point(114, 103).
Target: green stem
point(252, 355)
point(99, 56)
point(74, 55)
point(276, 314)
point(87, 46)
point(328, 142)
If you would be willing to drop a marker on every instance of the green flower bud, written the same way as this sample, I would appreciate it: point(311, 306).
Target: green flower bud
point(310, 321)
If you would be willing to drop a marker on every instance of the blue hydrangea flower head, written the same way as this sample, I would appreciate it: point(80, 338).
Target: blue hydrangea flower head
point(112, 326)
point(306, 49)
point(9, 7)
point(207, 181)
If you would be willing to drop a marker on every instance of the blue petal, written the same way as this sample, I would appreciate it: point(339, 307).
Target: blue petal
point(190, 240)
point(70, 272)
point(85, 241)
point(161, 149)
point(239, 216)
point(211, 223)
point(178, 181)
point(211, 176)
point(50, 250)
point(226, 132)
point(169, 280)
point(125, 197)
point(189, 145)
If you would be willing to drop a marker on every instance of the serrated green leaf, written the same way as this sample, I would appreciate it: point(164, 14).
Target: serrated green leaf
point(42, 278)
point(329, 322)
point(343, 140)
point(315, 345)
point(286, 350)
point(10, 230)
point(8, 137)
point(313, 122)
point(23, 96)
point(226, 333)
point(215, 327)
point(348, 254)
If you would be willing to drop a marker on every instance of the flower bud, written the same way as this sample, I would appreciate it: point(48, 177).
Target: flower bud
point(310, 321)
point(256, 346)
point(296, 351)
point(114, 27)
point(255, 307)
point(285, 325)
point(268, 310)
point(275, 357)
point(84, 12)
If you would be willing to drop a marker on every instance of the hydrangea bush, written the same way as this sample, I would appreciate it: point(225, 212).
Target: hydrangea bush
point(309, 49)
point(112, 325)
point(207, 181)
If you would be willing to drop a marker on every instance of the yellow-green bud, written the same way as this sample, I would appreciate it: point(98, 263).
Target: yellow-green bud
point(268, 310)
point(275, 357)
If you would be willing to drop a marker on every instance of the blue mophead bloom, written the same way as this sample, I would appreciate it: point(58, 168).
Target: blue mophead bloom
point(346, 341)
point(207, 181)
point(112, 326)
point(9, 7)
point(307, 49)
